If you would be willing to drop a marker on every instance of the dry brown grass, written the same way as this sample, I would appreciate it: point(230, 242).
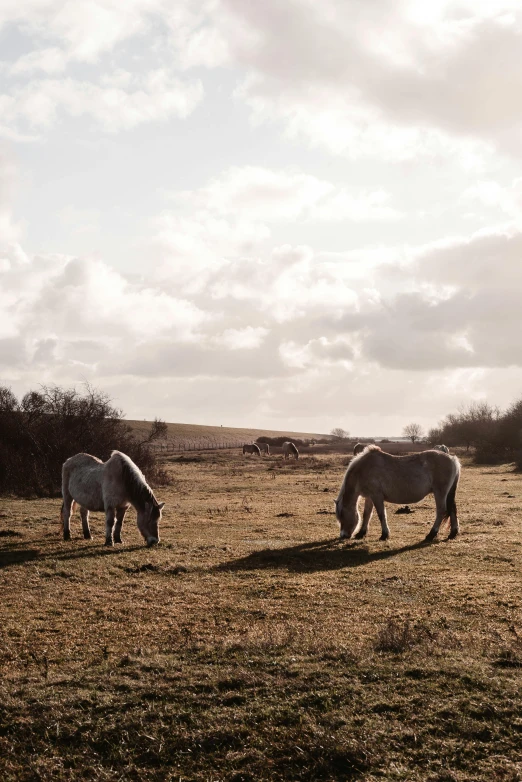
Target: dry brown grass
point(252, 644)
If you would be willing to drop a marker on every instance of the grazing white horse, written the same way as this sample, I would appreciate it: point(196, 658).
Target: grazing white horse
point(251, 448)
point(443, 448)
point(380, 477)
point(264, 448)
point(358, 448)
point(288, 449)
point(110, 486)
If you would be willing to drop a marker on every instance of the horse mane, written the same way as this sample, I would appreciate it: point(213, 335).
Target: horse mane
point(134, 480)
point(354, 463)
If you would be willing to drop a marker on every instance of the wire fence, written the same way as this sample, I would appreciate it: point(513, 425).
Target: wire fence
point(181, 446)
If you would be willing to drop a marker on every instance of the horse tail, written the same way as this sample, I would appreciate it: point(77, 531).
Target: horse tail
point(451, 505)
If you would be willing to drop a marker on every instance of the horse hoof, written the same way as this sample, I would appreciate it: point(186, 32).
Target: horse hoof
point(87, 537)
point(361, 535)
point(453, 534)
point(66, 535)
point(384, 537)
point(430, 537)
point(118, 540)
point(108, 543)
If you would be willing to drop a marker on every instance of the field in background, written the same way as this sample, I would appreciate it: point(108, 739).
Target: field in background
point(195, 437)
point(252, 644)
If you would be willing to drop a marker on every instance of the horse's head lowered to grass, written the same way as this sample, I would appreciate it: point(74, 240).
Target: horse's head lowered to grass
point(149, 518)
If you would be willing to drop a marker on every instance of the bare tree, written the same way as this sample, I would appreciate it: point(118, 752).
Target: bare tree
point(413, 432)
point(340, 434)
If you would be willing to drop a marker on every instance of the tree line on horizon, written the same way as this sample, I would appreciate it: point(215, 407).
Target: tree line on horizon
point(494, 435)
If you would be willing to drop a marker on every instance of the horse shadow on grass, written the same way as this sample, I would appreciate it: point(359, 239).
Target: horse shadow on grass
point(313, 557)
point(12, 555)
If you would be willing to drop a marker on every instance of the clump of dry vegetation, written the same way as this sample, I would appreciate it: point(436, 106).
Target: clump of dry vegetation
point(40, 431)
point(253, 645)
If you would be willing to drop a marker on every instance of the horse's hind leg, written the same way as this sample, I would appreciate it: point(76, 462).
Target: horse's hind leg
point(66, 512)
point(84, 513)
point(440, 504)
point(120, 515)
point(109, 524)
point(381, 513)
point(367, 514)
point(454, 521)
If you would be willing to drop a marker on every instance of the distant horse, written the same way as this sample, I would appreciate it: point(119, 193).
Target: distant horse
point(358, 448)
point(110, 486)
point(288, 449)
point(252, 448)
point(378, 477)
point(264, 448)
point(443, 448)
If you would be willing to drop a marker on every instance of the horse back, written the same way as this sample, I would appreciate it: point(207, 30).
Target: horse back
point(82, 480)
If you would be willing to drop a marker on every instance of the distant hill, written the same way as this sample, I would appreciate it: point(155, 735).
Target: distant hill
point(195, 436)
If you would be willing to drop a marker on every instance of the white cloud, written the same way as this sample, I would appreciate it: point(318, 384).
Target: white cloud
point(66, 300)
point(236, 339)
point(51, 60)
point(270, 195)
point(152, 97)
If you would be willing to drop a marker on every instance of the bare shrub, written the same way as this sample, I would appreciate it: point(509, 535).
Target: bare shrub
point(38, 433)
point(400, 636)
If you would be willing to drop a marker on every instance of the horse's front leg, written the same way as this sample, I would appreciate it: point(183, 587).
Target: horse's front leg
point(381, 513)
point(120, 515)
point(109, 524)
point(84, 513)
point(367, 514)
point(66, 512)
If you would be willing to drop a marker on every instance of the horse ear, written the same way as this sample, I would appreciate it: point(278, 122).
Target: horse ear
point(161, 505)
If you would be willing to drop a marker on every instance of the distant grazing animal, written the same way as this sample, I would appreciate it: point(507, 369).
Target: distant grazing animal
point(252, 448)
point(380, 477)
point(443, 448)
point(288, 449)
point(264, 448)
point(110, 486)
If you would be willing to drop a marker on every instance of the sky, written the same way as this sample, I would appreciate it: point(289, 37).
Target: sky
point(285, 215)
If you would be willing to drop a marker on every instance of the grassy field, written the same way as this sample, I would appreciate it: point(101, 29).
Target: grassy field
point(252, 645)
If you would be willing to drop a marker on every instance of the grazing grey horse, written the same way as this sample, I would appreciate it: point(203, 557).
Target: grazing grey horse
point(443, 448)
point(358, 448)
point(264, 448)
point(288, 449)
point(110, 486)
point(380, 477)
point(252, 448)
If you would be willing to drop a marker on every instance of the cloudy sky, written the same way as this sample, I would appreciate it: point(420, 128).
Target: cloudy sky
point(283, 214)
